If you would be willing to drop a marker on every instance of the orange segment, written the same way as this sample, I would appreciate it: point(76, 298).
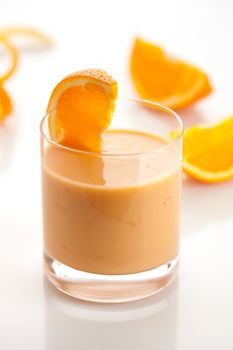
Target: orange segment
point(5, 104)
point(14, 58)
point(208, 151)
point(164, 79)
point(80, 109)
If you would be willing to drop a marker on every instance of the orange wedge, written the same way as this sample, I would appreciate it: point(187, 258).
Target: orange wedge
point(208, 152)
point(164, 79)
point(80, 109)
point(5, 104)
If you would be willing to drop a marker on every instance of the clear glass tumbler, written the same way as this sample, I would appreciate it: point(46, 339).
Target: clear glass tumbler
point(111, 219)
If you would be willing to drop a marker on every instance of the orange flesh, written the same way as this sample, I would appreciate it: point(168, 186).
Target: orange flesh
point(84, 123)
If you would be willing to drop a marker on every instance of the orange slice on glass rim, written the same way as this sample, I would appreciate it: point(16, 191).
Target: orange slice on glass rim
point(80, 109)
point(164, 79)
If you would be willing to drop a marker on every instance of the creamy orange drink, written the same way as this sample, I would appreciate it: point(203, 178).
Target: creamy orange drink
point(111, 215)
point(104, 219)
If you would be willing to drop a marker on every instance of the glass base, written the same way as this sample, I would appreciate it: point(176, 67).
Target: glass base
point(109, 288)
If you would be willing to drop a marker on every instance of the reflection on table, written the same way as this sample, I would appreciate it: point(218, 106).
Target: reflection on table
point(147, 324)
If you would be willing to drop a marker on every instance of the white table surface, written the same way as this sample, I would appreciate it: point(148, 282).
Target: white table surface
point(196, 312)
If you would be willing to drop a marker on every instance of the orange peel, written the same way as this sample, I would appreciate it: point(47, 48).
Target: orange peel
point(14, 58)
point(5, 39)
point(26, 31)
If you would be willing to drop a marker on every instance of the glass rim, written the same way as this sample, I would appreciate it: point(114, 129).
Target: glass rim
point(156, 105)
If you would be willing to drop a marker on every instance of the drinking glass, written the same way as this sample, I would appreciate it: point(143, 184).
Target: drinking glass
point(111, 219)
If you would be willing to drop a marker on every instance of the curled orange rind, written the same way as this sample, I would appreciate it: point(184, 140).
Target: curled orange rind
point(5, 40)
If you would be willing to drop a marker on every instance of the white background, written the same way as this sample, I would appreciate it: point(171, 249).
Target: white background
point(197, 311)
